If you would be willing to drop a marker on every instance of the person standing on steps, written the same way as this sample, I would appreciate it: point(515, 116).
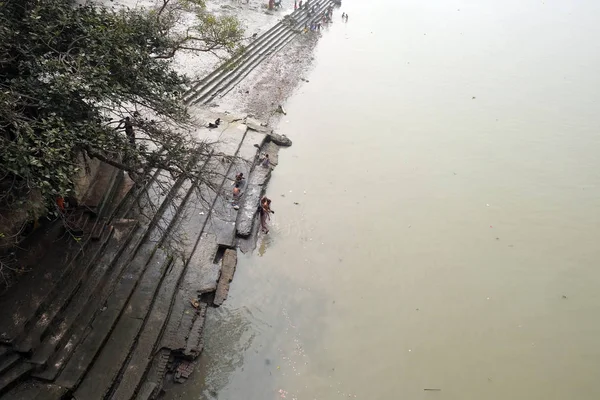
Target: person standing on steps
point(295, 4)
point(300, 4)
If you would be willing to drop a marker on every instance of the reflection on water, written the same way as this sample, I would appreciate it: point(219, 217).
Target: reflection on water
point(445, 165)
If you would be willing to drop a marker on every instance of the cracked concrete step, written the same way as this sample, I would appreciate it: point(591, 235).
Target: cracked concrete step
point(68, 287)
point(100, 377)
point(34, 390)
point(41, 283)
point(97, 332)
point(14, 375)
point(139, 361)
point(122, 234)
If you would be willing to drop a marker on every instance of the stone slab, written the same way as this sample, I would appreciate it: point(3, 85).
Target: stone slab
point(248, 210)
point(202, 273)
point(230, 138)
point(228, 264)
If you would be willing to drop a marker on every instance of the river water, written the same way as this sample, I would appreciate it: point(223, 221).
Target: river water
point(445, 165)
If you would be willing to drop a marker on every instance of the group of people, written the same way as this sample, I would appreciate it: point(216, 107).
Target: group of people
point(345, 16)
point(324, 18)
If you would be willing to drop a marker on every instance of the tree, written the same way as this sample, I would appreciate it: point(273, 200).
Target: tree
point(69, 73)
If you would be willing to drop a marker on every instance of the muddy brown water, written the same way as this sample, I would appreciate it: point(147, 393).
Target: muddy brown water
point(445, 162)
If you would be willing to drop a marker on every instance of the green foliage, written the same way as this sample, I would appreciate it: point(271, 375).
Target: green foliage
point(68, 72)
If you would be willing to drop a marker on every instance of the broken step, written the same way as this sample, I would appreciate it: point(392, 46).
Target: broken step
point(121, 235)
point(100, 377)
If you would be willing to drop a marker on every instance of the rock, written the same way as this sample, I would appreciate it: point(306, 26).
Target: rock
point(280, 140)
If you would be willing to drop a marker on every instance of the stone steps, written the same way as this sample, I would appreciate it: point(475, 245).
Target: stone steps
point(68, 287)
point(7, 361)
point(71, 363)
point(133, 372)
point(100, 377)
point(57, 264)
point(186, 227)
point(88, 291)
point(123, 207)
point(58, 348)
point(96, 333)
point(99, 330)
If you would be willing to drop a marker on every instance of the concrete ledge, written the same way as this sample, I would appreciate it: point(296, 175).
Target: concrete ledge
point(228, 264)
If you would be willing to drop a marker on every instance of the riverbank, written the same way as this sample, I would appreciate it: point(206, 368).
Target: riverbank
point(124, 309)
